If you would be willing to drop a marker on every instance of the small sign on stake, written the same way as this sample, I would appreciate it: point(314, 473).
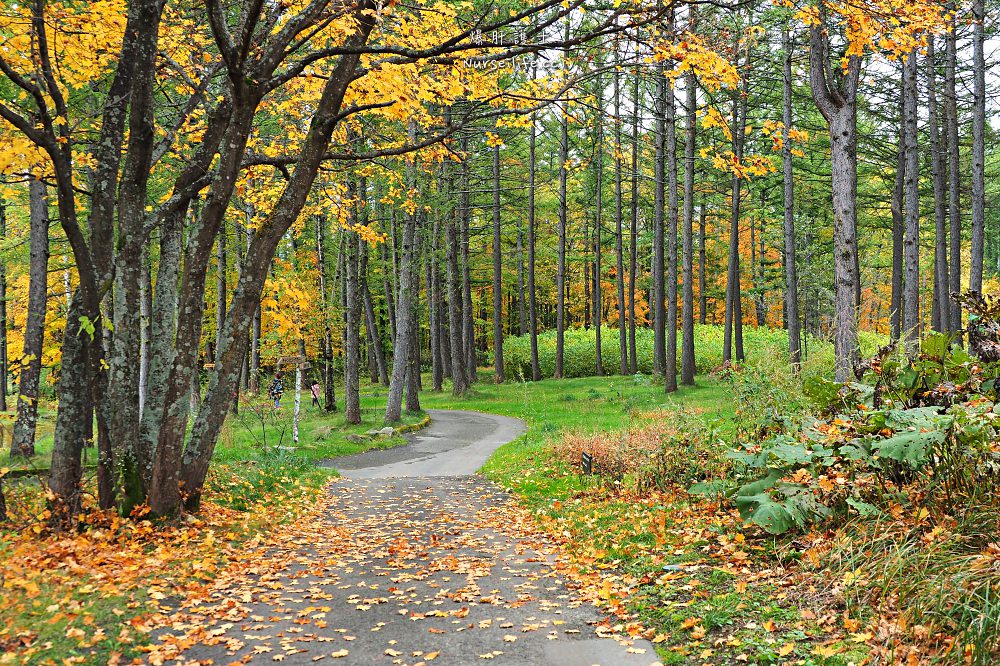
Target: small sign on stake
point(587, 463)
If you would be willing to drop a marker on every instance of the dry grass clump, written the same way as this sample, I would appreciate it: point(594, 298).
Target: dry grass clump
point(669, 449)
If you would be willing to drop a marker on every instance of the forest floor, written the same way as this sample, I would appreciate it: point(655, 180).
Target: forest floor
point(412, 559)
point(681, 572)
point(684, 573)
point(82, 598)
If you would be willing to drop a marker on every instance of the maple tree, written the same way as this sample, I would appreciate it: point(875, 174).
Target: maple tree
point(197, 99)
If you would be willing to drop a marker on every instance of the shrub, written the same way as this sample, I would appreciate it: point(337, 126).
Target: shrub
point(670, 450)
point(923, 427)
point(762, 345)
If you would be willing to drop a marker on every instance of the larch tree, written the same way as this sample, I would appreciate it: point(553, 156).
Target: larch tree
point(788, 205)
point(834, 90)
point(690, 141)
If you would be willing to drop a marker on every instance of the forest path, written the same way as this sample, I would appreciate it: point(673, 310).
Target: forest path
point(410, 560)
point(456, 443)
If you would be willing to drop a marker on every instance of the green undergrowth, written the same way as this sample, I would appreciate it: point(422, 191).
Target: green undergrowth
point(762, 345)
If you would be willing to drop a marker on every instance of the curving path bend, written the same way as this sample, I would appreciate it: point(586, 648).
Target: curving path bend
point(414, 561)
point(456, 443)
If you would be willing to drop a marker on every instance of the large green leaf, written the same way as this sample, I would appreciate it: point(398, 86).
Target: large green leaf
point(767, 513)
point(790, 451)
point(760, 485)
point(909, 446)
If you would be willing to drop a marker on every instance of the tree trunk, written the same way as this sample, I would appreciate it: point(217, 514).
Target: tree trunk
point(702, 266)
point(633, 226)
point(942, 303)
point(3, 316)
point(836, 100)
point(468, 322)
point(145, 323)
point(911, 238)
point(687, 296)
point(75, 412)
point(522, 313)
point(977, 231)
point(371, 323)
point(459, 376)
point(22, 441)
point(670, 366)
point(498, 372)
point(220, 285)
point(329, 374)
point(734, 293)
point(413, 379)
point(352, 326)
point(898, 224)
point(660, 111)
point(598, 210)
point(954, 176)
point(791, 273)
point(433, 322)
point(619, 230)
point(588, 298)
point(536, 372)
point(563, 213)
point(403, 349)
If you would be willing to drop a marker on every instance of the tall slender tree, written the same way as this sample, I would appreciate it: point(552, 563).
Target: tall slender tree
point(834, 90)
point(22, 442)
point(702, 265)
point(977, 231)
point(911, 237)
point(954, 169)
point(536, 371)
point(562, 224)
point(352, 311)
point(898, 224)
point(660, 113)
point(633, 235)
point(939, 178)
point(733, 335)
point(791, 274)
point(3, 315)
point(453, 250)
point(690, 139)
point(619, 244)
point(404, 349)
point(670, 137)
point(498, 369)
point(598, 215)
point(468, 321)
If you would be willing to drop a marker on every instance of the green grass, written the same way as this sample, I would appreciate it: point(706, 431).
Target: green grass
point(591, 404)
point(322, 434)
point(245, 436)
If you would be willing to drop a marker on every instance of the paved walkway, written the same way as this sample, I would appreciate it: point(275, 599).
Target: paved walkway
point(413, 560)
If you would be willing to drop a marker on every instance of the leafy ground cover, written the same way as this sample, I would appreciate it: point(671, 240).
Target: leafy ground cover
point(679, 570)
point(84, 597)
